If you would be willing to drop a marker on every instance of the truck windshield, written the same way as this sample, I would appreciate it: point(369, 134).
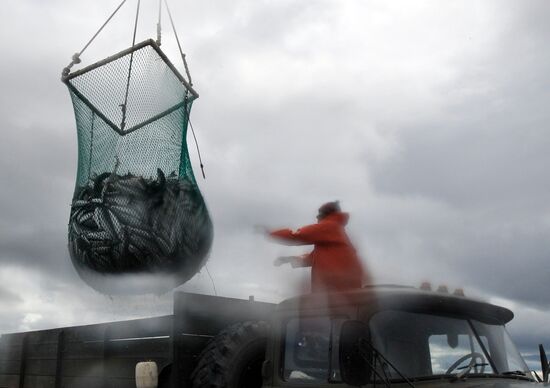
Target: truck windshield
point(425, 345)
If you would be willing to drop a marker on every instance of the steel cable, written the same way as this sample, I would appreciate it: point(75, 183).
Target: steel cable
point(179, 45)
point(76, 57)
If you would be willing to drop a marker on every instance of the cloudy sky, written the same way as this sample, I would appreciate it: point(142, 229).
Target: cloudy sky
point(428, 120)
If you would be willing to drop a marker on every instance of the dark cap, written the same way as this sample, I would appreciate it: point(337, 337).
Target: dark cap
point(328, 208)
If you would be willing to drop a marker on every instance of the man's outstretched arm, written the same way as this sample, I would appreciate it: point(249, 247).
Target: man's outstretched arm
point(310, 234)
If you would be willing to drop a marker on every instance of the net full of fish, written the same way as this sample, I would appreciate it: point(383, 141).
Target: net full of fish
point(148, 230)
point(127, 224)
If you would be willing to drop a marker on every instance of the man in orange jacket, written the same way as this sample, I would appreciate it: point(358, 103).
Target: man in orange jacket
point(334, 263)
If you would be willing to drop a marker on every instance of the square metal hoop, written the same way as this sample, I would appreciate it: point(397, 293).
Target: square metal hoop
point(131, 89)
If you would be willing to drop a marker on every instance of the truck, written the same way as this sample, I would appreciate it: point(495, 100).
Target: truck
point(377, 335)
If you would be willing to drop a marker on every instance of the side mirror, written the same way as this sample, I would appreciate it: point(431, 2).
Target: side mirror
point(355, 360)
point(544, 364)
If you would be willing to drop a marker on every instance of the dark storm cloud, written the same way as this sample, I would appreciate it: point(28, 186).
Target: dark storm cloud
point(496, 161)
point(483, 157)
point(498, 234)
point(35, 197)
point(8, 297)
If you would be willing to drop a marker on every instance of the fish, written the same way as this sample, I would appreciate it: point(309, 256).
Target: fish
point(133, 224)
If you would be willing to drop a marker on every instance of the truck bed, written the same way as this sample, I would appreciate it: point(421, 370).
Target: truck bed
point(104, 355)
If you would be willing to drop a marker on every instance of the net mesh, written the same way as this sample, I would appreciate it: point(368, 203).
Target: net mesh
point(136, 207)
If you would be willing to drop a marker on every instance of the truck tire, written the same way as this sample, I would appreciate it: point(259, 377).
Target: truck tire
point(233, 358)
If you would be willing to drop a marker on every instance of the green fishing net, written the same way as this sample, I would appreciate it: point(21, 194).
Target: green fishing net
point(136, 208)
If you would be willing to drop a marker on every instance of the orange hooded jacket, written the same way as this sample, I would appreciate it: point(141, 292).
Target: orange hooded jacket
point(334, 262)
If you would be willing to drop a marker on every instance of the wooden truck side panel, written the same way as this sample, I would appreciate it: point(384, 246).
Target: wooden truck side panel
point(104, 355)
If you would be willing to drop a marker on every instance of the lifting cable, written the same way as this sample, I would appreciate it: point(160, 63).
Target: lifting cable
point(159, 24)
point(212, 280)
point(91, 151)
point(123, 106)
point(179, 45)
point(76, 57)
point(198, 149)
point(188, 77)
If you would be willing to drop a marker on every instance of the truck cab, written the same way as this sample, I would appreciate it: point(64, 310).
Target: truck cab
point(391, 335)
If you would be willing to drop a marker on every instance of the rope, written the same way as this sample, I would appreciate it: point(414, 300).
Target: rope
point(212, 280)
point(198, 149)
point(179, 45)
point(91, 144)
point(124, 105)
point(76, 57)
point(159, 24)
